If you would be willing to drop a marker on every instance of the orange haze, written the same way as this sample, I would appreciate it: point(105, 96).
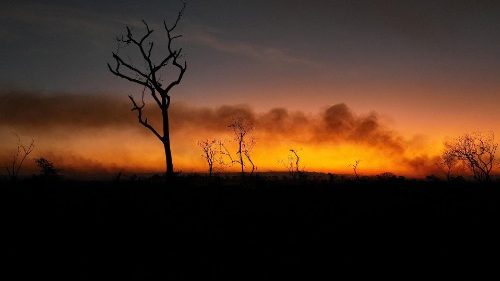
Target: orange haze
point(96, 133)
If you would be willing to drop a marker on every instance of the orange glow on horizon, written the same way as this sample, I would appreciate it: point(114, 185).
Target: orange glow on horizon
point(127, 151)
point(329, 141)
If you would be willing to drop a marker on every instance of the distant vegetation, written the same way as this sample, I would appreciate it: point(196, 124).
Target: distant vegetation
point(476, 150)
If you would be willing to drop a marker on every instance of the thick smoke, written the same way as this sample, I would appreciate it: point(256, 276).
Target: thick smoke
point(39, 111)
point(340, 123)
point(47, 113)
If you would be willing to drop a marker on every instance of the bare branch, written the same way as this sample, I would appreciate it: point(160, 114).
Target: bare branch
point(26, 151)
point(179, 16)
point(22, 152)
point(143, 122)
point(297, 159)
point(163, 63)
point(247, 155)
point(147, 27)
point(224, 151)
point(117, 72)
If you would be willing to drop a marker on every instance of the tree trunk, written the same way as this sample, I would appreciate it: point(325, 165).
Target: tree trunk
point(241, 156)
point(169, 166)
point(487, 177)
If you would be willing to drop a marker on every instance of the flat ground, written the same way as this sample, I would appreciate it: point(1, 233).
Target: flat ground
point(257, 229)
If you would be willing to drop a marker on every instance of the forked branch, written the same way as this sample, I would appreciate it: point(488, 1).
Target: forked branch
point(22, 152)
point(143, 121)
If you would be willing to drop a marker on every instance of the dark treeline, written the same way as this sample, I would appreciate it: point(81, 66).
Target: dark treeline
point(257, 228)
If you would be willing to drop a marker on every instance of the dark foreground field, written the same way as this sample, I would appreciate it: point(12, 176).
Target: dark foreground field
point(261, 229)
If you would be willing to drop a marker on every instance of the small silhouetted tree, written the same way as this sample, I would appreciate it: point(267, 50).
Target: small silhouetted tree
point(210, 153)
point(17, 161)
point(449, 161)
point(293, 163)
point(355, 169)
point(46, 167)
point(477, 151)
point(241, 129)
point(297, 160)
point(149, 78)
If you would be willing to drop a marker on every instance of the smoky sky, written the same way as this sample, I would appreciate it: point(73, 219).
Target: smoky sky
point(59, 117)
point(46, 112)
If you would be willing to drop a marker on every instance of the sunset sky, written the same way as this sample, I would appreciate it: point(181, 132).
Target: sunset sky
point(400, 77)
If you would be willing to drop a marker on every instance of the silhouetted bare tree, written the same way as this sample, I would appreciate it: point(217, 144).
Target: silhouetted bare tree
point(477, 151)
point(22, 152)
point(293, 163)
point(241, 129)
point(355, 169)
point(149, 78)
point(297, 160)
point(448, 160)
point(210, 153)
